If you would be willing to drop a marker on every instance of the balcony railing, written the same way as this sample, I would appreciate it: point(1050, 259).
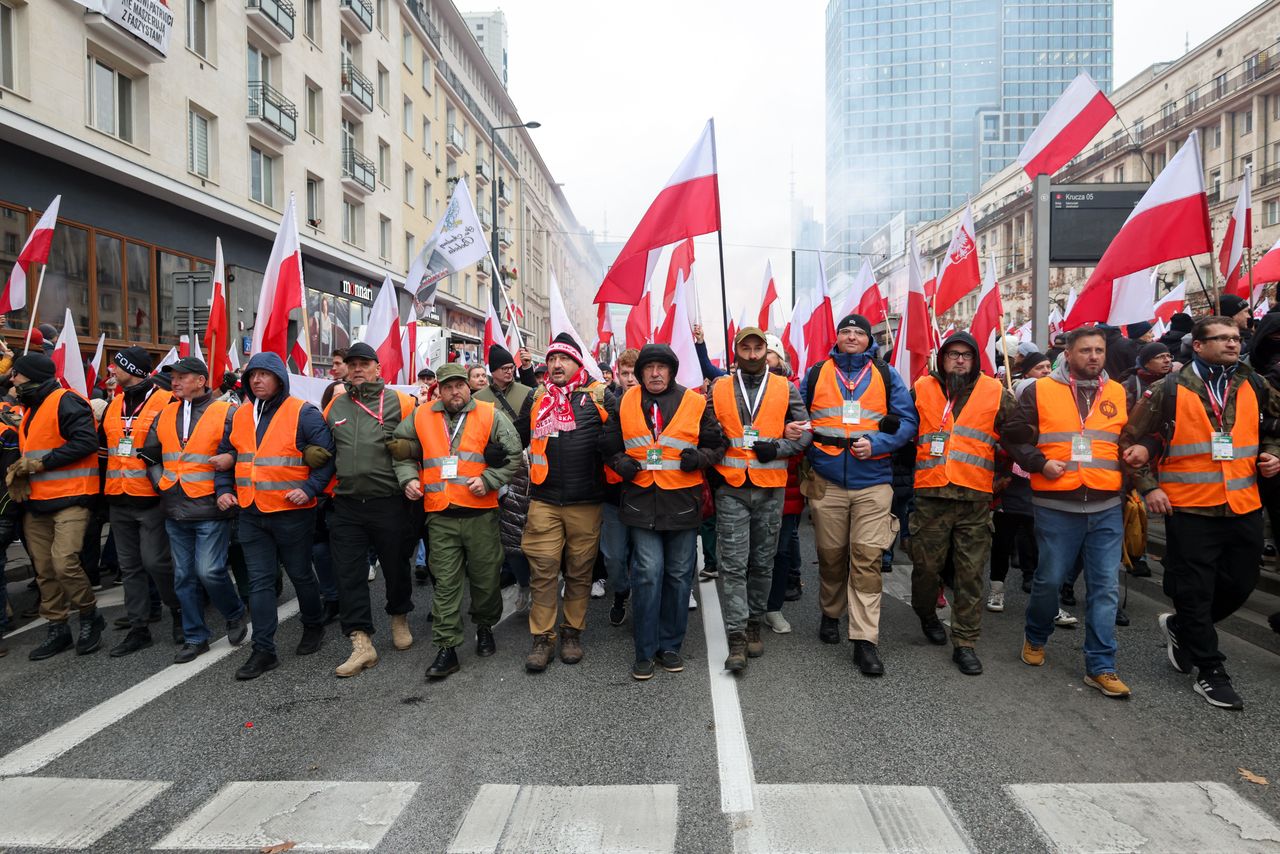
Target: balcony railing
point(358, 168)
point(359, 11)
point(482, 173)
point(486, 219)
point(504, 237)
point(419, 11)
point(279, 13)
point(504, 192)
point(356, 86)
point(455, 139)
point(273, 109)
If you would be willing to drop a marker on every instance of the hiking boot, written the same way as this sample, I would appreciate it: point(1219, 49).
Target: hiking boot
point(237, 631)
point(642, 671)
point(190, 651)
point(401, 637)
point(57, 639)
point(670, 661)
point(995, 599)
point(737, 660)
point(485, 644)
point(542, 653)
point(755, 645)
point(363, 656)
point(92, 626)
point(867, 657)
point(139, 638)
point(967, 660)
point(1109, 684)
point(312, 637)
point(570, 645)
point(933, 629)
point(777, 623)
point(1032, 654)
point(1065, 620)
point(446, 662)
point(618, 612)
point(1215, 686)
point(1177, 656)
point(829, 630)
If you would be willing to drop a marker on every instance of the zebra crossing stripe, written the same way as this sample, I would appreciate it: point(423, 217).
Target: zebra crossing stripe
point(56, 812)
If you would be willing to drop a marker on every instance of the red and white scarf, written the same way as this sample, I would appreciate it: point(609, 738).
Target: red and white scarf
point(555, 410)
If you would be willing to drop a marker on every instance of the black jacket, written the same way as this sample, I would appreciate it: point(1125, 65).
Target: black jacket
point(575, 459)
point(80, 439)
point(1122, 352)
point(177, 504)
point(134, 397)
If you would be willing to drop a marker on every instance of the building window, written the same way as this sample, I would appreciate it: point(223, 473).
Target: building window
point(384, 87)
point(1215, 185)
point(384, 238)
point(407, 117)
point(258, 65)
point(352, 222)
point(198, 143)
point(382, 15)
point(315, 111)
point(1216, 136)
point(426, 198)
point(315, 201)
point(1117, 174)
point(426, 136)
point(409, 246)
point(198, 26)
point(7, 45)
point(426, 72)
point(311, 20)
point(1246, 123)
point(1219, 85)
point(384, 163)
point(110, 100)
point(406, 49)
point(262, 177)
point(1271, 212)
point(409, 188)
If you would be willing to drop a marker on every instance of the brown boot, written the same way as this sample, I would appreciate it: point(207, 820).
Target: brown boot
point(401, 637)
point(570, 645)
point(543, 651)
point(755, 645)
point(363, 656)
point(737, 660)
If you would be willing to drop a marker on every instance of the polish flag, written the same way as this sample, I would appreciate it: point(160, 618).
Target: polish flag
point(216, 332)
point(170, 358)
point(1171, 303)
point(769, 298)
point(604, 324)
point(1158, 329)
point(793, 339)
point(233, 357)
point(1267, 269)
point(681, 268)
point(678, 331)
point(282, 292)
point(92, 372)
point(1237, 239)
point(188, 346)
point(687, 206)
point(915, 338)
point(382, 332)
point(1055, 321)
point(1170, 221)
point(34, 251)
point(961, 271)
point(67, 361)
point(987, 320)
point(820, 327)
point(493, 333)
point(1071, 123)
point(1133, 298)
point(560, 322)
point(409, 351)
point(865, 298)
point(639, 328)
point(1072, 296)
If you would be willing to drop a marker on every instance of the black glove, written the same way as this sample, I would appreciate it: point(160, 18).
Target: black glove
point(689, 459)
point(627, 469)
point(766, 451)
point(495, 456)
point(890, 423)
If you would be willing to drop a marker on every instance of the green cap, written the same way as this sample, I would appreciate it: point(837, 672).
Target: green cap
point(747, 332)
point(450, 371)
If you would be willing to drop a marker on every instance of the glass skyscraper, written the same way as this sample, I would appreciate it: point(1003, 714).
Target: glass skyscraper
point(928, 100)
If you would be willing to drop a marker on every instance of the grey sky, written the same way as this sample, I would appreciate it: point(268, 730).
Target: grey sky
point(622, 91)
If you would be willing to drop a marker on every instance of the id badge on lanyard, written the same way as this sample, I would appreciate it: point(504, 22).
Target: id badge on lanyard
point(852, 412)
point(124, 448)
point(653, 459)
point(1081, 449)
point(750, 436)
point(449, 469)
point(937, 444)
point(1222, 448)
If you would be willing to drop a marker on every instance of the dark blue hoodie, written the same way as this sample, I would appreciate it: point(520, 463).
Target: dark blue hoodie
point(845, 470)
point(312, 429)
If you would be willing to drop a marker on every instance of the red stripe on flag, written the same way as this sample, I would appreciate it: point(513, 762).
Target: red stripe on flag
point(1073, 138)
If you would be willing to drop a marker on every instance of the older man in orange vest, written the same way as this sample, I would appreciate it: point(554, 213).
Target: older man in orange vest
point(1205, 425)
point(961, 415)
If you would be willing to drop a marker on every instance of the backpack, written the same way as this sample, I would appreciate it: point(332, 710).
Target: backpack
point(1169, 405)
point(811, 379)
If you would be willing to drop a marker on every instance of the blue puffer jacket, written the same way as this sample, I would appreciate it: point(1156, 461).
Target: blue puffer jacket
point(844, 469)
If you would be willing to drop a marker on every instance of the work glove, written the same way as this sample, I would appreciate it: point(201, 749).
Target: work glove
point(400, 449)
point(766, 451)
point(689, 459)
point(316, 456)
point(24, 467)
point(627, 469)
point(495, 456)
point(19, 488)
point(12, 417)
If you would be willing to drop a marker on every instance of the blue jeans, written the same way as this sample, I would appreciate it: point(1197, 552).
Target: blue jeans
point(615, 545)
point(200, 558)
point(269, 540)
point(661, 578)
point(1061, 537)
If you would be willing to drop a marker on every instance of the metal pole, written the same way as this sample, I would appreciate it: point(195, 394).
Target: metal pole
point(34, 306)
point(493, 208)
point(724, 294)
point(1040, 278)
point(793, 279)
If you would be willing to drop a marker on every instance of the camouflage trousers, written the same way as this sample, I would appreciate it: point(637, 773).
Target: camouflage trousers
point(942, 528)
point(747, 522)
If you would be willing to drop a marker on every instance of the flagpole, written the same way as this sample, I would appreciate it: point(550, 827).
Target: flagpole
point(34, 306)
point(724, 293)
point(1004, 345)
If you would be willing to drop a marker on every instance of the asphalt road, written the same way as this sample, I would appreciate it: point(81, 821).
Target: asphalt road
point(801, 753)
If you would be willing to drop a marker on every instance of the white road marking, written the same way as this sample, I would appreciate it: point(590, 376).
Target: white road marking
point(570, 820)
point(53, 812)
point(1172, 818)
point(106, 599)
point(826, 819)
point(315, 814)
point(737, 773)
point(35, 754)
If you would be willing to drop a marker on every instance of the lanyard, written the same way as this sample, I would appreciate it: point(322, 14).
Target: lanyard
point(946, 412)
point(128, 419)
point(753, 406)
point(185, 433)
point(382, 395)
point(258, 406)
point(657, 423)
point(1218, 404)
point(453, 437)
point(1092, 407)
point(850, 386)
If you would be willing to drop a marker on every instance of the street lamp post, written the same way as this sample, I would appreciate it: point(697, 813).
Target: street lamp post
point(495, 277)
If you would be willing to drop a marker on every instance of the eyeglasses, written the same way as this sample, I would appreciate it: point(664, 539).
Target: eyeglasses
point(958, 356)
point(1226, 339)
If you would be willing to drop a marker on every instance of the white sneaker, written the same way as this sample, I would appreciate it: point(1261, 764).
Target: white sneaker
point(693, 602)
point(523, 599)
point(1065, 620)
point(777, 622)
point(995, 599)
point(597, 589)
point(373, 571)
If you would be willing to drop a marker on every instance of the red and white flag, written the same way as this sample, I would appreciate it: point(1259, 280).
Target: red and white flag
point(915, 333)
point(820, 326)
point(988, 320)
point(216, 332)
point(93, 371)
point(283, 292)
point(1267, 269)
point(382, 332)
point(961, 272)
point(1239, 237)
point(865, 297)
point(233, 357)
point(560, 322)
point(793, 338)
point(1171, 303)
point(1170, 221)
point(687, 206)
point(34, 251)
point(680, 269)
point(1133, 298)
point(409, 351)
point(1071, 124)
point(678, 333)
point(765, 320)
point(1072, 296)
point(639, 328)
point(67, 361)
point(493, 333)
point(948, 332)
point(604, 324)
point(1055, 321)
point(170, 358)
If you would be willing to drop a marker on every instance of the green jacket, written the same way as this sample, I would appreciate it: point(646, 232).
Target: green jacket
point(364, 465)
point(503, 433)
point(514, 397)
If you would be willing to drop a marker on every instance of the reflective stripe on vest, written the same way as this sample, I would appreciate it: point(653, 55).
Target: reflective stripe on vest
point(41, 434)
point(680, 433)
point(827, 409)
point(1059, 421)
point(433, 436)
point(191, 466)
point(969, 456)
point(128, 475)
point(264, 473)
point(1188, 473)
point(740, 462)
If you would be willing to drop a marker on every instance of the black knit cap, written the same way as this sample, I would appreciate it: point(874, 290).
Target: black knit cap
point(1229, 305)
point(1182, 323)
point(133, 360)
point(499, 357)
point(36, 367)
point(1151, 351)
point(855, 320)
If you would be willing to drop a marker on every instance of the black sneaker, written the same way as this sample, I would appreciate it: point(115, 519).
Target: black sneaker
point(259, 663)
point(190, 651)
point(1177, 656)
point(312, 636)
point(967, 660)
point(709, 573)
point(867, 658)
point(1122, 617)
point(420, 574)
point(934, 631)
point(237, 630)
point(90, 637)
point(137, 639)
point(642, 670)
point(669, 660)
point(1215, 686)
point(618, 612)
point(1067, 596)
point(829, 630)
point(57, 639)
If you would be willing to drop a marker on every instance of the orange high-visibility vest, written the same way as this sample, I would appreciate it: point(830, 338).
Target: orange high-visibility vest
point(1188, 473)
point(538, 464)
point(127, 475)
point(771, 418)
point(407, 404)
point(433, 436)
point(266, 472)
point(1060, 422)
point(682, 432)
point(39, 435)
point(191, 465)
point(969, 455)
point(827, 409)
